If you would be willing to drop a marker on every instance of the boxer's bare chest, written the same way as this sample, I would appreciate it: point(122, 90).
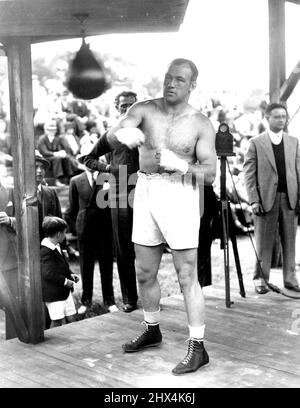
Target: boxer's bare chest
point(177, 133)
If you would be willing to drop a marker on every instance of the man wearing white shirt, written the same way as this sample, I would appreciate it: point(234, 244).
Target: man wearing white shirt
point(93, 228)
point(272, 176)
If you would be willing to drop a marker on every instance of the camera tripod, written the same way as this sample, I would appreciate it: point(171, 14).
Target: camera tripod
point(228, 232)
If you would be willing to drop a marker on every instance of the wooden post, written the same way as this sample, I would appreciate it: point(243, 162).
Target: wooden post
point(22, 134)
point(276, 48)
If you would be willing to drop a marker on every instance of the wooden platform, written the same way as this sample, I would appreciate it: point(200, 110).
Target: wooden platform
point(255, 343)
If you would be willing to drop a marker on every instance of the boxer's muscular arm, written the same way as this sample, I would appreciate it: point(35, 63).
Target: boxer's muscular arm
point(130, 122)
point(205, 153)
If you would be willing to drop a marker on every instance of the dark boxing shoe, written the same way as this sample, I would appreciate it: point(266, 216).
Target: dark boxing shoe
point(196, 357)
point(151, 337)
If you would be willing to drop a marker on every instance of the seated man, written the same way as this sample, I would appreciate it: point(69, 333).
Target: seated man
point(52, 148)
point(71, 144)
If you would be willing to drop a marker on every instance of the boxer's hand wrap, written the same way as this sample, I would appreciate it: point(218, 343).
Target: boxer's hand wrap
point(131, 137)
point(171, 162)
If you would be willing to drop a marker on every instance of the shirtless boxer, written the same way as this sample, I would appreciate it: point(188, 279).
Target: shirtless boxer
point(176, 144)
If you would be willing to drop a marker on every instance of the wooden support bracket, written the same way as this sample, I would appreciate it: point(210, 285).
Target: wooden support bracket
point(289, 85)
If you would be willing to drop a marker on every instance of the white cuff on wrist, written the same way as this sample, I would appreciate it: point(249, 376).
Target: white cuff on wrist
point(184, 167)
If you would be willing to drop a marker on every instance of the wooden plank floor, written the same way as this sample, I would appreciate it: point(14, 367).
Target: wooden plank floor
point(255, 343)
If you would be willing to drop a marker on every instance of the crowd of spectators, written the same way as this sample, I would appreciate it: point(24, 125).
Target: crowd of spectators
point(63, 127)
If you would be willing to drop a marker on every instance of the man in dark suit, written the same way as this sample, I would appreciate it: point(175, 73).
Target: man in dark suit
point(48, 201)
point(93, 228)
point(272, 177)
point(122, 215)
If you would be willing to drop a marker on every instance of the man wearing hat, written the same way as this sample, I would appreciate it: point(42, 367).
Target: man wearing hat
point(93, 228)
point(48, 202)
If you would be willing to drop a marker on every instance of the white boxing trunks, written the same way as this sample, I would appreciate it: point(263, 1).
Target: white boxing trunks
point(166, 210)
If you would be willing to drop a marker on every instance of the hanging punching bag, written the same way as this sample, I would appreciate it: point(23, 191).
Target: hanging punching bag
point(86, 78)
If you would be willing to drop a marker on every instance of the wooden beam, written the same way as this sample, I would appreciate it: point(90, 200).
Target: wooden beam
point(56, 18)
point(293, 1)
point(28, 246)
point(289, 85)
point(276, 48)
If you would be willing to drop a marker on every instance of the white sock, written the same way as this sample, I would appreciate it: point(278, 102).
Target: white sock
point(197, 332)
point(152, 317)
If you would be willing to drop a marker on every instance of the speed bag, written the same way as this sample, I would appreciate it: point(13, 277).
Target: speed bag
point(86, 78)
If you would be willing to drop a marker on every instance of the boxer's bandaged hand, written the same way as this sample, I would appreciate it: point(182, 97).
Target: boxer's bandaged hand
point(131, 137)
point(171, 162)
